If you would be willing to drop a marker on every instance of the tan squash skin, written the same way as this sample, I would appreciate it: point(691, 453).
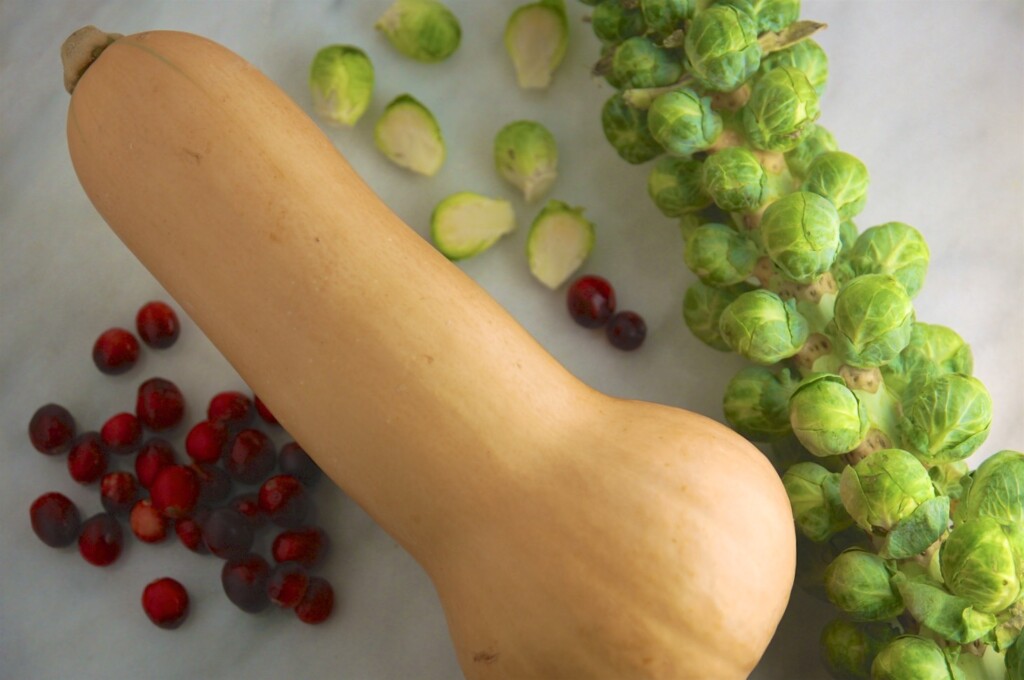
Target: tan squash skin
point(569, 535)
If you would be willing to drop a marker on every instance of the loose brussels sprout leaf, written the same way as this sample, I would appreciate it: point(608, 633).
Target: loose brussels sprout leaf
point(638, 62)
point(735, 180)
point(979, 564)
point(946, 419)
point(815, 142)
point(702, 311)
point(663, 17)
point(912, 656)
point(721, 48)
point(806, 56)
point(814, 497)
point(536, 37)
point(612, 22)
point(627, 130)
point(873, 319)
point(674, 185)
point(893, 248)
point(884, 488)
point(424, 30)
point(560, 239)
point(719, 255)
point(996, 490)
point(913, 534)
point(801, 235)
point(770, 15)
point(781, 108)
point(842, 179)
point(408, 134)
point(827, 416)
point(952, 617)
point(848, 648)
point(526, 156)
point(466, 224)
point(762, 327)
point(683, 122)
point(858, 583)
point(756, 403)
point(933, 350)
point(341, 81)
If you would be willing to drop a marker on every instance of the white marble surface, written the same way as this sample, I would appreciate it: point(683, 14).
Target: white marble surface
point(927, 93)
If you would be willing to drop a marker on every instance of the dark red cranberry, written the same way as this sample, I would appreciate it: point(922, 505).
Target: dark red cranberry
point(157, 325)
point(175, 491)
point(121, 433)
point(154, 456)
point(55, 519)
point(591, 301)
point(627, 331)
point(115, 351)
point(287, 584)
point(190, 532)
point(165, 602)
point(214, 483)
point(118, 492)
point(101, 539)
point(307, 546)
point(317, 602)
point(159, 404)
point(263, 411)
point(234, 409)
point(250, 457)
point(51, 429)
point(284, 501)
point(87, 459)
point(245, 582)
point(227, 533)
point(293, 460)
point(206, 441)
point(248, 504)
point(148, 524)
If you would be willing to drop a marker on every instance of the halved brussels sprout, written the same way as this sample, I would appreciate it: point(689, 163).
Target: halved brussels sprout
point(815, 142)
point(683, 122)
point(721, 48)
point(933, 350)
point(663, 17)
point(719, 255)
point(946, 419)
point(979, 563)
point(801, 235)
point(756, 403)
point(702, 311)
point(884, 488)
point(762, 327)
point(858, 583)
point(814, 497)
point(674, 185)
point(735, 180)
point(873, 319)
point(848, 648)
point(526, 156)
point(842, 179)
point(612, 22)
point(466, 224)
point(996, 490)
point(560, 239)
point(627, 130)
point(807, 56)
point(893, 248)
point(912, 657)
point(536, 38)
point(408, 134)
point(827, 416)
point(639, 62)
point(424, 30)
point(781, 109)
point(341, 81)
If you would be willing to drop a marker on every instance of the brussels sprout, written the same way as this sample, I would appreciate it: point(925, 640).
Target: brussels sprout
point(762, 327)
point(911, 657)
point(842, 179)
point(756, 403)
point(626, 129)
point(466, 224)
point(536, 38)
point(952, 617)
point(947, 419)
point(560, 239)
point(848, 648)
point(612, 22)
point(815, 142)
point(735, 180)
point(996, 490)
point(639, 62)
point(341, 81)
point(526, 156)
point(827, 416)
point(814, 497)
point(719, 255)
point(801, 235)
point(702, 311)
point(721, 48)
point(408, 134)
point(674, 185)
point(683, 122)
point(873, 320)
point(807, 56)
point(884, 488)
point(949, 479)
point(858, 582)
point(781, 108)
point(770, 15)
point(665, 16)
point(893, 248)
point(979, 563)
point(424, 30)
point(933, 350)
point(847, 236)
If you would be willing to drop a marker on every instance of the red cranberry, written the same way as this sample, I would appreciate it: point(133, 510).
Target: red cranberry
point(234, 409)
point(157, 325)
point(250, 457)
point(148, 524)
point(306, 546)
point(248, 505)
point(118, 492)
point(591, 301)
point(227, 533)
point(283, 499)
point(214, 483)
point(121, 433)
point(190, 533)
point(627, 330)
point(101, 539)
point(160, 404)
point(293, 460)
point(287, 584)
point(154, 456)
point(245, 582)
point(206, 441)
point(317, 603)
point(55, 519)
point(87, 459)
point(175, 491)
point(165, 602)
point(115, 351)
point(264, 412)
point(51, 429)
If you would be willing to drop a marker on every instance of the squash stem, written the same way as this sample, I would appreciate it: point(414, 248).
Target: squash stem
point(80, 50)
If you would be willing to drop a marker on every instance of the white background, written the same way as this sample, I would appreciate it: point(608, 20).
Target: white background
point(927, 94)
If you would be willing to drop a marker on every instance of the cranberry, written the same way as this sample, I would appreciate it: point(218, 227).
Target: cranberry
point(214, 483)
point(227, 533)
point(250, 457)
point(51, 429)
point(283, 499)
point(306, 546)
point(160, 404)
point(165, 602)
point(287, 584)
point(591, 301)
point(118, 492)
point(148, 524)
point(264, 412)
point(115, 351)
point(627, 330)
point(101, 539)
point(245, 582)
point(121, 433)
point(157, 325)
point(234, 409)
point(248, 505)
point(87, 460)
point(190, 532)
point(55, 519)
point(293, 460)
point(317, 603)
point(154, 456)
point(175, 491)
point(206, 441)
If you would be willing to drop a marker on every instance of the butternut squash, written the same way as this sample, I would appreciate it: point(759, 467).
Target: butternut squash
point(569, 534)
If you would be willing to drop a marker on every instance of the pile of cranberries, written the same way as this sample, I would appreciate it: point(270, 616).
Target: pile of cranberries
point(232, 483)
point(591, 301)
